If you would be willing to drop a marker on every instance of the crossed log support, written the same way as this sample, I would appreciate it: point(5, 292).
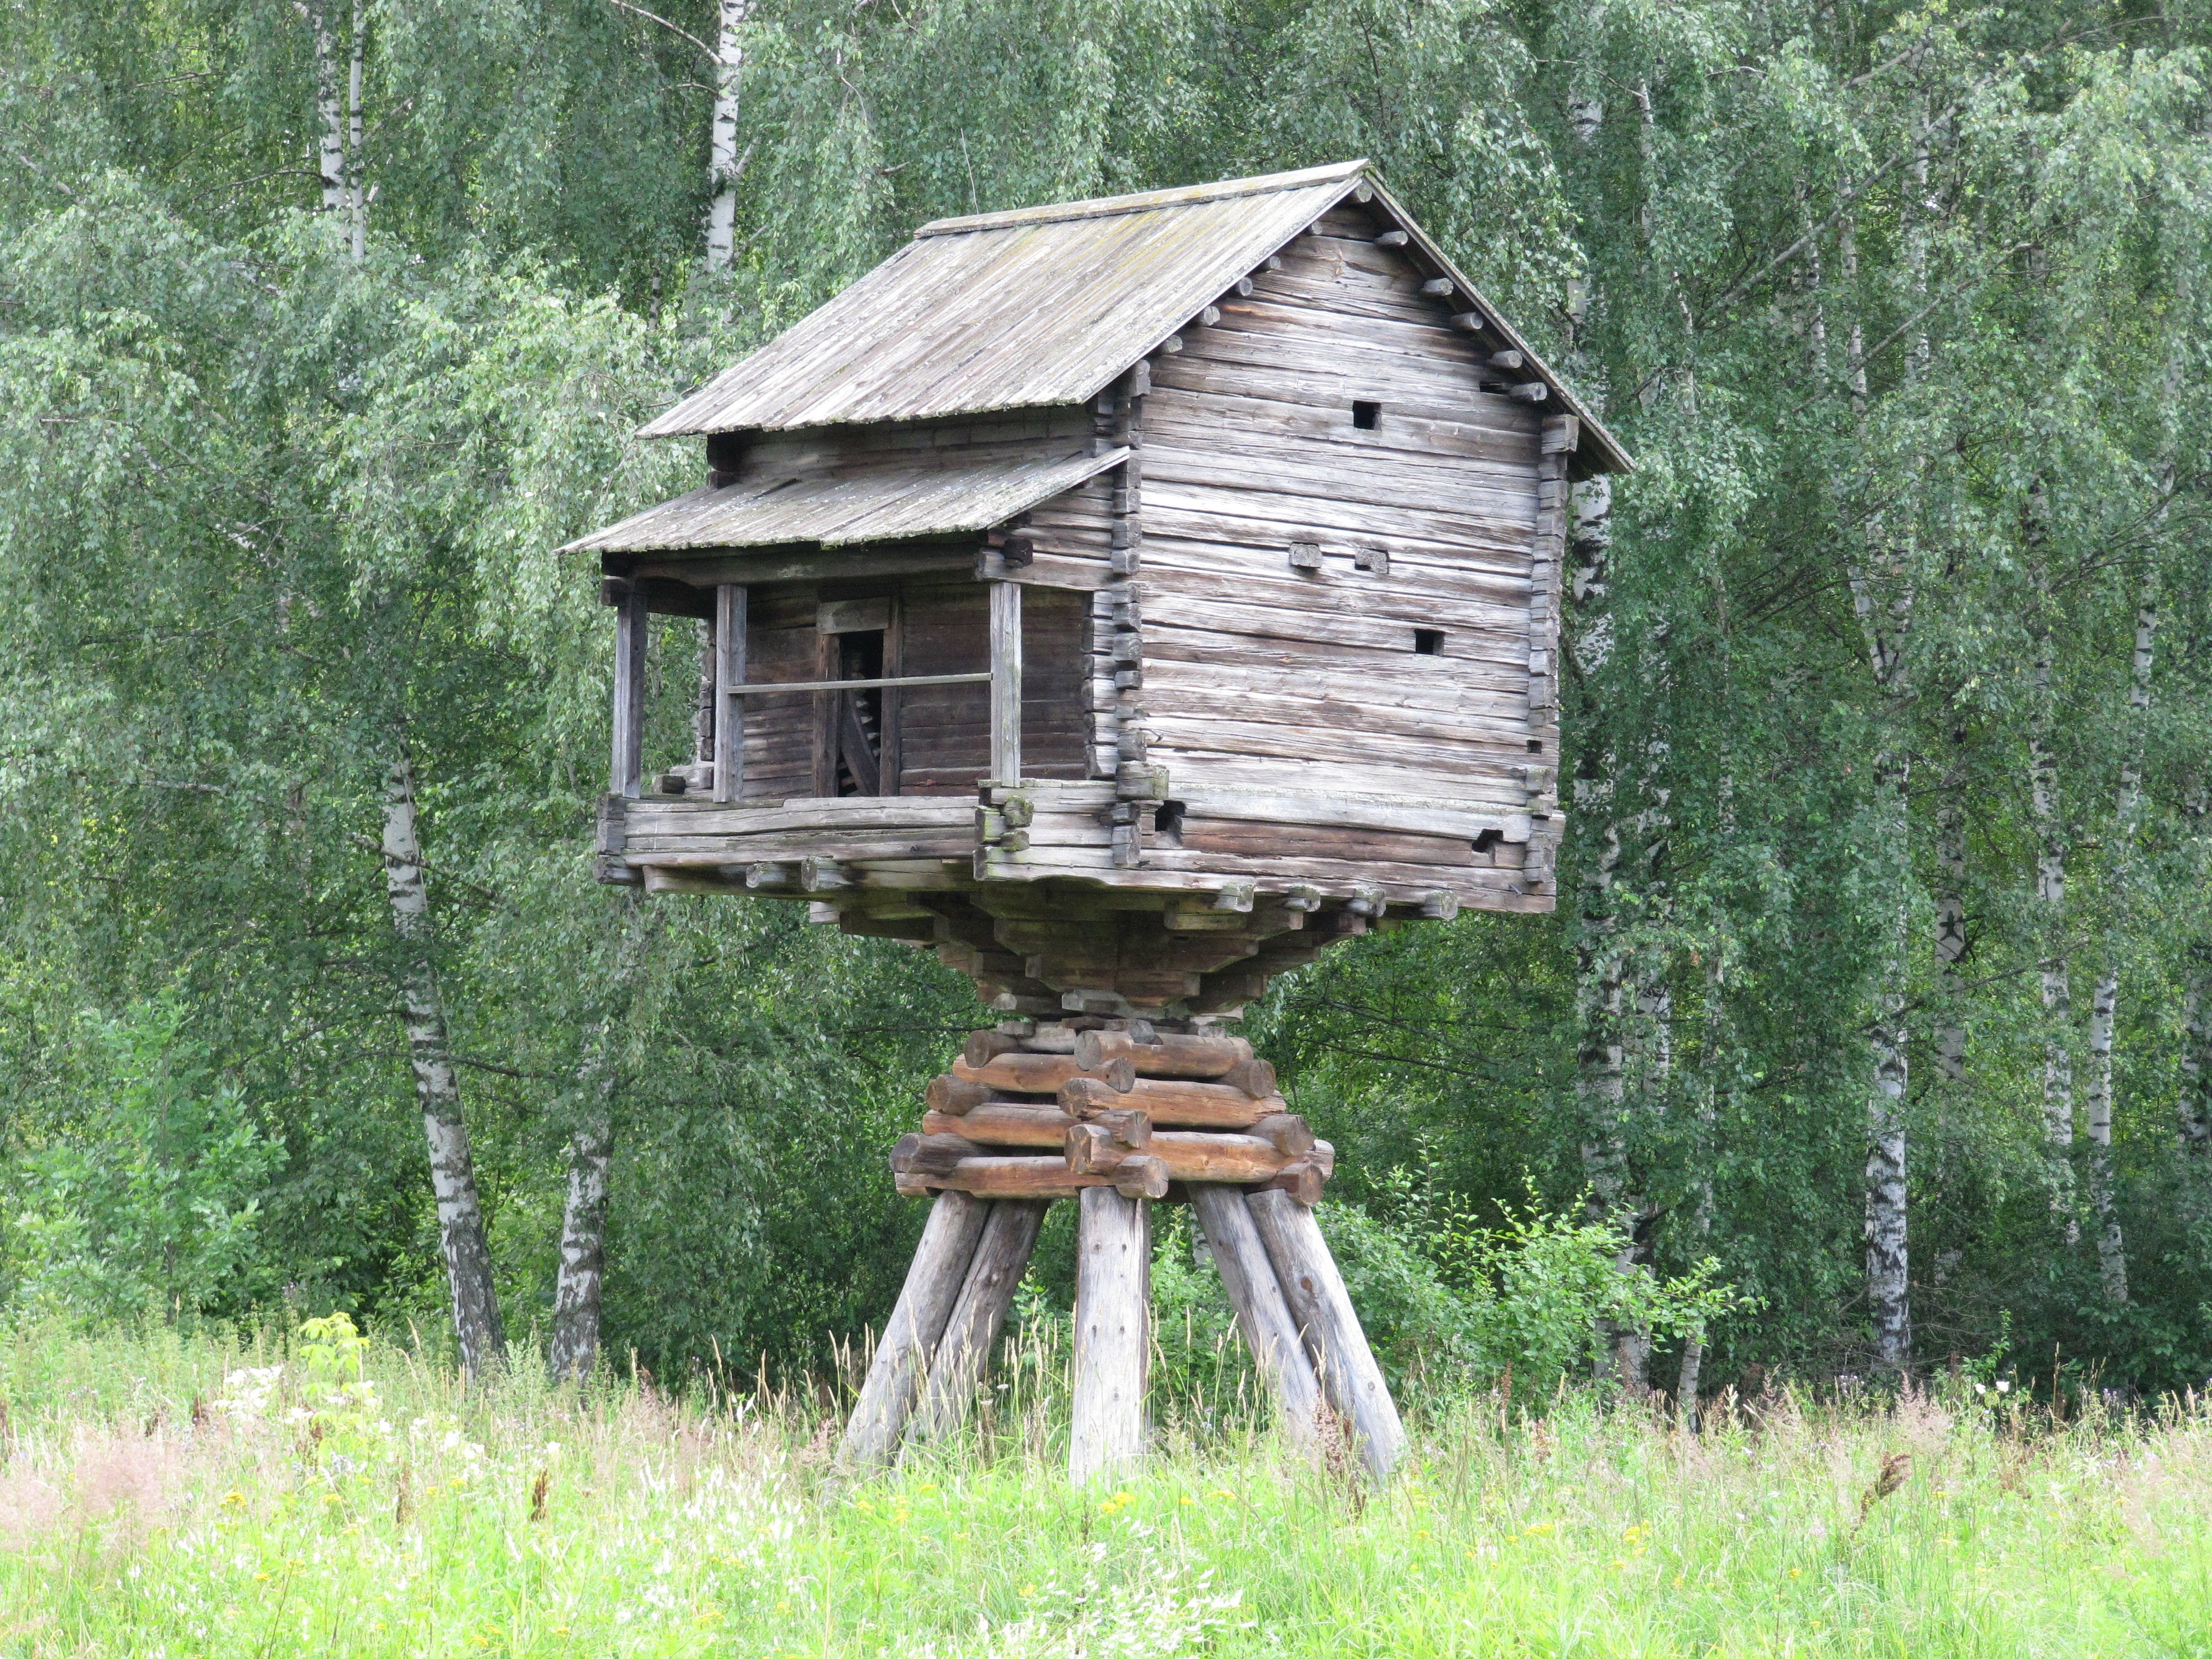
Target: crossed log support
point(1292, 1306)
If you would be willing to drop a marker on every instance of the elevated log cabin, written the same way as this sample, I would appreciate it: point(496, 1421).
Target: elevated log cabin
point(1124, 598)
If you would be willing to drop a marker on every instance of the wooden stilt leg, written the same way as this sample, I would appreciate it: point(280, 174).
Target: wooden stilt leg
point(933, 1285)
point(1262, 1314)
point(1319, 1303)
point(1002, 1255)
point(1112, 1308)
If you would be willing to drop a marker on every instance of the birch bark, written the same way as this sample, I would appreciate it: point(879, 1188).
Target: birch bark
point(355, 181)
point(1603, 993)
point(339, 116)
point(437, 1086)
point(1600, 968)
point(1706, 1119)
point(2054, 976)
point(330, 106)
point(2103, 1002)
point(2193, 1104)
point(723, 163)
point(1951, 912)
point(1882, 598)
point(577, 1288)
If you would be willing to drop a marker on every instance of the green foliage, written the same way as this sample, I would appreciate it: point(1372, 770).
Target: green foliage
point(148, 1199)
point(1522, 1303)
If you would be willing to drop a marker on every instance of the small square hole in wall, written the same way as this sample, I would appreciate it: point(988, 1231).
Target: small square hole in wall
point(1167, 824)
point(1535, 746)
point(1365, 415)
point(1429, 642)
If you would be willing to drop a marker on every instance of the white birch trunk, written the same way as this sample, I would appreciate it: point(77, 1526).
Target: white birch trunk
point(2112, 1247)
point(723, 164)
point(330, 106)
point(2193, 1103)
point(575, 1346)
point(577, 1288)
point(2054, 976)
point(2104, 1004)
point(1882, 597)
point(1600, 972)
point(437, 1087)
point(355, 173)
point(1951, 916)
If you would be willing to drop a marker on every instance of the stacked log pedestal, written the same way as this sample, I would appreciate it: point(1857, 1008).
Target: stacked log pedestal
point(1116, 1114)
point(1044, 1111)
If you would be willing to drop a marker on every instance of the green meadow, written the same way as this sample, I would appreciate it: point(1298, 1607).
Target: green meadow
point(311, 1493)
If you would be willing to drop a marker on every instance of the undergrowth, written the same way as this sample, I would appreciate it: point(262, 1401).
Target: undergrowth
point(316, 1493)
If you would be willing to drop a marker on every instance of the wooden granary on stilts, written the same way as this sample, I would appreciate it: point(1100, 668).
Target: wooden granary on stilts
point(1124, 600)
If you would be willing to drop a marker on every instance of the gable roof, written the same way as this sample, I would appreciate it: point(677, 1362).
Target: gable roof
point(1047, 306)
point(884, 505)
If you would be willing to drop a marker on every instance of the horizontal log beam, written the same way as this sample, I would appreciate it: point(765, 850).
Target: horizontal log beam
point(757, 690)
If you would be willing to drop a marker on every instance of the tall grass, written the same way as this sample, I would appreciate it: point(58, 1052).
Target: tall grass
point(197, 1497)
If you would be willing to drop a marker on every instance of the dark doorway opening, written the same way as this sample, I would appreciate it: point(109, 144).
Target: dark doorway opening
point(860, 717)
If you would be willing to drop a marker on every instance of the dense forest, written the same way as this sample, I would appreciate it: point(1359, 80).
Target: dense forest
point(1882, 970)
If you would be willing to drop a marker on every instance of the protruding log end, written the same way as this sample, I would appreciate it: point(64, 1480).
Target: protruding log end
point(984, 1047)
point(955, 1096)
point(1141, 1178)
point(931, 1155)
point(1303, 1181)
point(1255, 1077)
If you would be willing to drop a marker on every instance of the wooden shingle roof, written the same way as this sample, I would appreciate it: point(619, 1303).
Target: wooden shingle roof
point(891, 503)
point(1043, 307)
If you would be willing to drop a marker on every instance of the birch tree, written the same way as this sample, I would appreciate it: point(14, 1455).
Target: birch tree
point(461, 1240)
point(1882, 598)
point(2104, 1002)
point(338, 132)
point(2054, 976)
point(724, 165)
point(577, 1291)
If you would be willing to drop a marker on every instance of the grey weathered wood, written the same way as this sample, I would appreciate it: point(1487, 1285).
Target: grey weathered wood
point(780, 688)
point(627, 773)
point(1322, 1309)
point(1112, 1334)
point(1005, 678)
point(1002, 1255)
point(933, 1282)
point(1263, 1315)
point(729, 756)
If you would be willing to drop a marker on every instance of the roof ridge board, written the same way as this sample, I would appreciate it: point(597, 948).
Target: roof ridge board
point(1545, 372)
point(1104, 207)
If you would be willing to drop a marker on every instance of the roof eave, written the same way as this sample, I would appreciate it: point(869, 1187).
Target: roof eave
point(1614, 457)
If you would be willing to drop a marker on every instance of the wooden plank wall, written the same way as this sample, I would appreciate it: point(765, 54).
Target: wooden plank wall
point(1260, 676)
point(831, 451)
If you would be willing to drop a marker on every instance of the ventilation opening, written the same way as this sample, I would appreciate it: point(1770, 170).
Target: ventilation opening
point(860, 714)
point(1487, 841)
point(1167, 824)
point(1535, 746)
point(1429, 642)
point(1365, 415)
